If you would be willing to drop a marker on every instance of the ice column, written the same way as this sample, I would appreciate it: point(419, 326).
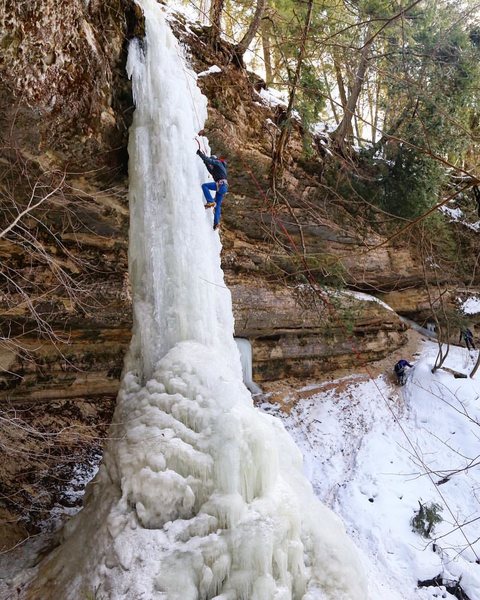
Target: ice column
point(177, 283)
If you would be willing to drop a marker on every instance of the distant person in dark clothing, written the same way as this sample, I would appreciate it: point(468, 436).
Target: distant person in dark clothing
point(217, 167)
point(476, 195)
point(467, 337)
point(399, 369)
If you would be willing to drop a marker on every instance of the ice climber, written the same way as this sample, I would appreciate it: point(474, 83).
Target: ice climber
point(217, 167)
point(399, 369)
point(467, 337)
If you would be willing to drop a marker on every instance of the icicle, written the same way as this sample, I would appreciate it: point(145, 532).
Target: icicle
point(245, 349)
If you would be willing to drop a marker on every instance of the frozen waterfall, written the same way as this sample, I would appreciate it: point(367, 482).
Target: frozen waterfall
point(199, 495)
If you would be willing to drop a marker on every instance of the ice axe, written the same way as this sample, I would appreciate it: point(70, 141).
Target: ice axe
point(201, 132)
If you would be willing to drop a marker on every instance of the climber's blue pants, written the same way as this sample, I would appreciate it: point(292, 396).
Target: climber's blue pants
point(222, 190)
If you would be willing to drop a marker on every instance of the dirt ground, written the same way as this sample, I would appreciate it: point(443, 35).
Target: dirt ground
point(287, 392)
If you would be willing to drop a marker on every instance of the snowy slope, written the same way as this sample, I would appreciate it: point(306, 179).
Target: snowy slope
point(373, 451)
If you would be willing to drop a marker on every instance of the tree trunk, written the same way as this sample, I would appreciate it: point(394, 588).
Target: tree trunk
point(341, 87)
point(267, 50)
point(333, 104)
point(277, 159)
point(376, 113)
point(358, 130)
point(341, 90)
point(204, 11)
point(373, 107)
point(345, 126)
point(216, 9)
point(245, 42)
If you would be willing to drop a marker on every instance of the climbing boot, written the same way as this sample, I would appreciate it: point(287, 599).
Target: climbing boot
point(210, 204)
point(216, 226)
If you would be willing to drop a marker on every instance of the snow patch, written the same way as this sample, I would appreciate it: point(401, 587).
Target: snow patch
point(213, 69)
point(470, 306)
point(272, 98)
point(456, 216)
point(366, 298)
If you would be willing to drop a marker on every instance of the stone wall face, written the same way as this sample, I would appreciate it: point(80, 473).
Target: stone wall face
point(303, 332)
point(65, 106)
point(66, 98)
point(65, 314)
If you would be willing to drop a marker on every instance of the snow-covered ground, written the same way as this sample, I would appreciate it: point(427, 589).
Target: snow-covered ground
point(373, 451)
point(471, 306)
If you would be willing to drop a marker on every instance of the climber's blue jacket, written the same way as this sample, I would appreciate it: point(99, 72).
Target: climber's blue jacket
point(216, 167)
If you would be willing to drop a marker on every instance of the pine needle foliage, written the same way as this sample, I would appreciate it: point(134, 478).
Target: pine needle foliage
point(425, 519)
